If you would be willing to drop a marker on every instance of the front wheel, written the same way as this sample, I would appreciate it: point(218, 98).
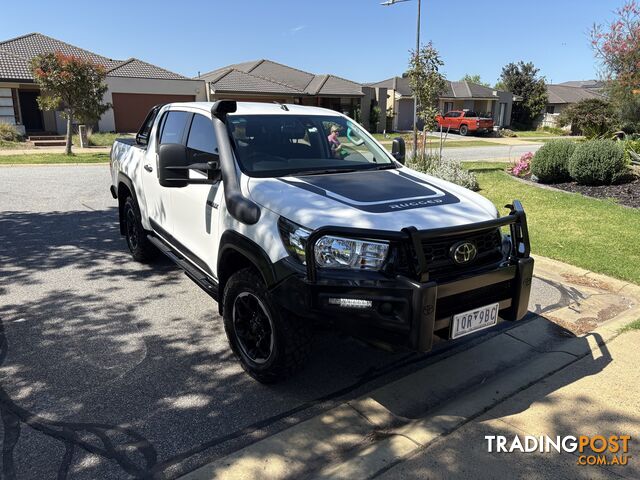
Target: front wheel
point(271, 344)
point(464, 130)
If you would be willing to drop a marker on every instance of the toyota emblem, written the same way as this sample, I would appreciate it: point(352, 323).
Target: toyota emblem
point(463, 252)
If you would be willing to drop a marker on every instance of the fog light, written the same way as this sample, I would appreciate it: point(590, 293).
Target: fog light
point(351, 302)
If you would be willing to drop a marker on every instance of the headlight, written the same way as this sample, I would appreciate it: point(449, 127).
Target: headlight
point(294, 238)
point(333, 252)
point(338, 252)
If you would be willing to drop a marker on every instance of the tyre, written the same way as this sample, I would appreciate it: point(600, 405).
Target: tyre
point(464, 130)
point(139, 245)
point(270, 343)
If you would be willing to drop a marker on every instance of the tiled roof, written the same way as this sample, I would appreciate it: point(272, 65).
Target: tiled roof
point(236, 81)
point(461, 89)
point(584, 83)
point(14, 67)
point(464, 89)
point(16, 53)
point(566, 94)
point(340, 86)
point(266, 76)
point(138, 69)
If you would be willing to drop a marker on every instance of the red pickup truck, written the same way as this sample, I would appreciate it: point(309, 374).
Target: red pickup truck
point(464, 121)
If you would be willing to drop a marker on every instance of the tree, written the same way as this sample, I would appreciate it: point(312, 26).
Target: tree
point(522, 79)
point(426, 82)
point(474, 79)
point(72, 85)
point(592, 117)
point(617, 46)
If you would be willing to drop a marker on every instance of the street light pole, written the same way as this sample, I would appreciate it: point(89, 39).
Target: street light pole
point(388, 3)
point(415, 96)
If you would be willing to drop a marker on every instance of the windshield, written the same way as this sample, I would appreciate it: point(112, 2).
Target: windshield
point(281, 145)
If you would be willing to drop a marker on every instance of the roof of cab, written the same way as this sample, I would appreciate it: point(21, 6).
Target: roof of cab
point(258, 108)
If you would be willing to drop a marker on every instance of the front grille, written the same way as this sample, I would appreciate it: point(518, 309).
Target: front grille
point(439, 261)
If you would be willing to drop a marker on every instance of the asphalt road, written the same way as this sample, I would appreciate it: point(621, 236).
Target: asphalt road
point(499, 152)
point(113, 369)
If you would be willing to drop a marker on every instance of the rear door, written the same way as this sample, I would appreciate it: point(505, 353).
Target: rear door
point(171, 129)
point(194, 208)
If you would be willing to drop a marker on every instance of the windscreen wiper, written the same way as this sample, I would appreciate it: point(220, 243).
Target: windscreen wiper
point(383, 167)
point(325, 171)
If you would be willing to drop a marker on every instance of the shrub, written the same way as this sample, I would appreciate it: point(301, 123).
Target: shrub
point(522, 167)
point(593, 117)
point(449, 170)
point(598, 162)
point(9, 133)
point(551, 163)
point(505, 132)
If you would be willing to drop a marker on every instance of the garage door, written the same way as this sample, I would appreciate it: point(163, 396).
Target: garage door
point(130, 109)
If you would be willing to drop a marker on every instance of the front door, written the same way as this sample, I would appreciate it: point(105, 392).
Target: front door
point(195, 208)
point(30, 111)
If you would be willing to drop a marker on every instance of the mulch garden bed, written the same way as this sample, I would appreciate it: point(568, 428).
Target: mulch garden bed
point(625, 193)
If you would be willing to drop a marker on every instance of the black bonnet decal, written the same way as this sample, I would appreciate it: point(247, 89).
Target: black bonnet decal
point(379, 191)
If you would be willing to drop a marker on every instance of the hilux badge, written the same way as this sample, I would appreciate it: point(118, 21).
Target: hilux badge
point(463, 252)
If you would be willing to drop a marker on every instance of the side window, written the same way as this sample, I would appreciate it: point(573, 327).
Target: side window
point(173, 127)
point(142, 138)
point(202, 136)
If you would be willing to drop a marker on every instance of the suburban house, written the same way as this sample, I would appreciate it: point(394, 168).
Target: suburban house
point(134, 87)
point(461, 95)
point(560, 96)
point(268, 81)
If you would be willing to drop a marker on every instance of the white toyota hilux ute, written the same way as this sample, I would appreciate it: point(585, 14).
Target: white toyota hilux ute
point(290, 215)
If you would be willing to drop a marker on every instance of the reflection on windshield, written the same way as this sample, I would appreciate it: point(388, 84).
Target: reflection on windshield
point(279, 145)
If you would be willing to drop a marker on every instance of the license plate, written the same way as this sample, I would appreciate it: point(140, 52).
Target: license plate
point(474, 320)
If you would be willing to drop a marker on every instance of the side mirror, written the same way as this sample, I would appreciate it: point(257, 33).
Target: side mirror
point(173, 169)
point(398, 150)
point(170, 156)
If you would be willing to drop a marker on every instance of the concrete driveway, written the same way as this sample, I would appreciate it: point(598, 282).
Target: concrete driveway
point(112, 369)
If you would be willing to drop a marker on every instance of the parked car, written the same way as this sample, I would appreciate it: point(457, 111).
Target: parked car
point(288, 215)
point(465, 121)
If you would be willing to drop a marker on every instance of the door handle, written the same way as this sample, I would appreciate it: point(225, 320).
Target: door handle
point(148, 168)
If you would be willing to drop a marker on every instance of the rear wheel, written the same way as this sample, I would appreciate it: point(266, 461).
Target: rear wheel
point(464, 130)
point(271, 344)
point(139, 245)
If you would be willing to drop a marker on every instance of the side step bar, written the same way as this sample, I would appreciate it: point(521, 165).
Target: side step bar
point(206, 283)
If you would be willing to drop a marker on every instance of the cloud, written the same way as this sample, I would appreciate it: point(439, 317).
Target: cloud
point(295, 30)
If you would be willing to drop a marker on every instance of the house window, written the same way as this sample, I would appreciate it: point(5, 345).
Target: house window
point(551, 109)
point(448, 106)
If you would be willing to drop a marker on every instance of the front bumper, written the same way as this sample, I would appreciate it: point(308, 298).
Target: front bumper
point(410, 309)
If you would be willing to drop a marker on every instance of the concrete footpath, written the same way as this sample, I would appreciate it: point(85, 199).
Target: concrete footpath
point(561, 371)
point(597, 395)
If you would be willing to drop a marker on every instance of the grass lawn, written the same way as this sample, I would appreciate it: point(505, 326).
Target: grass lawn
point(52, 158)
point(7, 145)
point(594, 234)
point(535, 133)
point(100, 139)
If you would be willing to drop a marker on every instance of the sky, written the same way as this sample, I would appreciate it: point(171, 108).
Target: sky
point(355, 39)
